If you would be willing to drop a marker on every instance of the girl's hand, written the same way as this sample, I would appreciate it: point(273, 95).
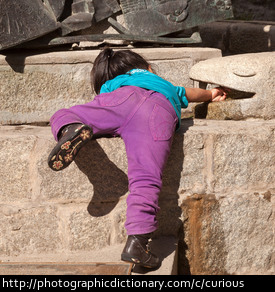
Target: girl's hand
point(218, 94)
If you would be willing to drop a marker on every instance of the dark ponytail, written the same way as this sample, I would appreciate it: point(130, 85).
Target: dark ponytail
point(109, 64)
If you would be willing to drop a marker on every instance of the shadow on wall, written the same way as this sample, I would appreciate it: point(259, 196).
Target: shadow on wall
point(170, 211)
point(110, 183)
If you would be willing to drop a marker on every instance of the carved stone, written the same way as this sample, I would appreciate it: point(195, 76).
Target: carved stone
point(22, 20)
point(86, 13)
point(56, 7)
point(252, 76)
point(151, 17)
point(144, 20)
point(105, 8)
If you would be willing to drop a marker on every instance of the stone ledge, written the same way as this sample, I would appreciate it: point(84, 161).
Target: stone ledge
point(165, 247)
point(88, 56)
point(33, 87)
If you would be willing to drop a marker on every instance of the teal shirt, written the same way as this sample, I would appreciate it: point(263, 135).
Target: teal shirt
point(147, 80)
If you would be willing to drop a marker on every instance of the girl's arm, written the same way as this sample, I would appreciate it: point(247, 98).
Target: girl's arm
point(201, 95)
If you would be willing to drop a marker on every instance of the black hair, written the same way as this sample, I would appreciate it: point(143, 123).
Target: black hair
point(109, 64)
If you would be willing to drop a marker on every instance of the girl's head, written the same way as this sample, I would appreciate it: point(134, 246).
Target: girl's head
point(109, 64)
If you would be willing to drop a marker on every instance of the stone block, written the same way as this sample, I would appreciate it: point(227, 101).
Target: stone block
point(33, 87)
point(248, 221)
point(38, 91)
point(229, 235)
point(218, 193)
point(252, 75)
point(228, 156)
point(175, 71)
point(194, 160)
point(239, 163)
point(29, 230)
point(16, 170)
point(87, 232)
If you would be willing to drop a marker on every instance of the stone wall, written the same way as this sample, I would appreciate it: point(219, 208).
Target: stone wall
point(218, 197)
point(33, 87)
point(218, 185)
point(227, 198)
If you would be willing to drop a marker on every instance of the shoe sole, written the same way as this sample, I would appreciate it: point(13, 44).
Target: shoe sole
point(128, 258)
point(67, 148)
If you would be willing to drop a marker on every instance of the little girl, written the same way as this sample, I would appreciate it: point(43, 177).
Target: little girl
point(144, 110)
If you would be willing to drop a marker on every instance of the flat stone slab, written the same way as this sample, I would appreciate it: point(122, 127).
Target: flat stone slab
point(65, 268)
point(105, 261)
point(33, 87)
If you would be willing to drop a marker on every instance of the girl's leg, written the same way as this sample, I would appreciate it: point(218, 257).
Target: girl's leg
point(146, 121)
point(148, 137)
point(73, 127)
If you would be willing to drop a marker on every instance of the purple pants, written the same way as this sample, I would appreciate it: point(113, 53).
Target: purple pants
point(146, 122)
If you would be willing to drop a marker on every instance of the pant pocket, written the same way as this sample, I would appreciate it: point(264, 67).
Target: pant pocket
point(162, 123)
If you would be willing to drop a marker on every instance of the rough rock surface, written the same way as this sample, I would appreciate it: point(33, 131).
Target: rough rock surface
point(218, 185)
point(33, 87)
point(248, 73)
point(218, 194)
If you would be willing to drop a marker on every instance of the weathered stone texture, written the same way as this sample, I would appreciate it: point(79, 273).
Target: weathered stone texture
point(218, 192)
point(33, 87)
point(175, 71)
point(247, 73)
point(41, 90)
point(29, 230)
point(229, 156)
point(228, 198)
point(218, 185)
point(248, 223)
point(15, 158)
point(243, 160)
point(229, 235)
point(86, 232)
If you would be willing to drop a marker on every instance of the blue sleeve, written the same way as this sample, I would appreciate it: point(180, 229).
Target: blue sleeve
point(104, 88)
point(181, 94)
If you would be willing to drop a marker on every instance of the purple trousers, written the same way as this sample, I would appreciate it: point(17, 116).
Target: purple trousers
point(146, 122)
